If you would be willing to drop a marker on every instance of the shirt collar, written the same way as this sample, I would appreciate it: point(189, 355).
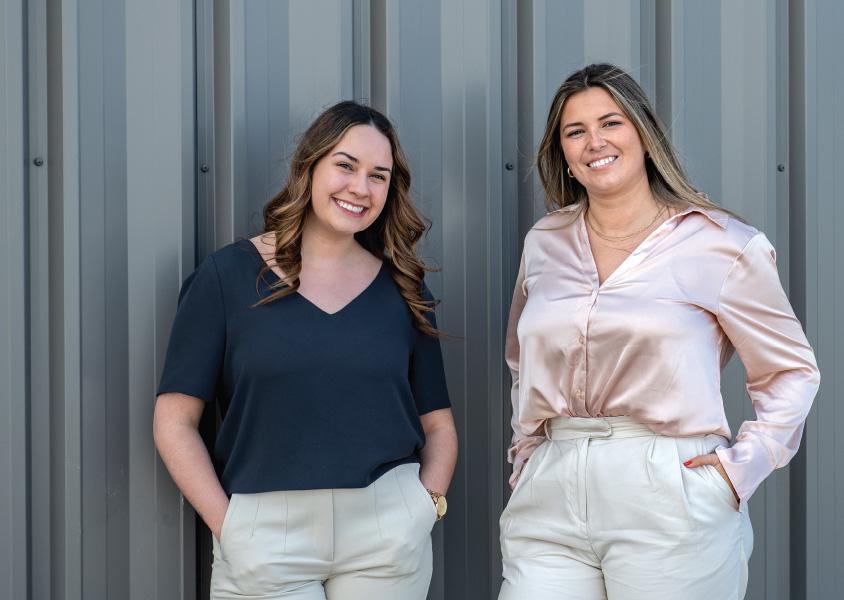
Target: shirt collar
point(719, 217)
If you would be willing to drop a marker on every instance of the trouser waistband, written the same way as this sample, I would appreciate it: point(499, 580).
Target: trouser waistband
point(573, 428)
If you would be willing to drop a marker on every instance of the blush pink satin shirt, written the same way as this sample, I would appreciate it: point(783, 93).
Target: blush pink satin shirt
point(650, 342)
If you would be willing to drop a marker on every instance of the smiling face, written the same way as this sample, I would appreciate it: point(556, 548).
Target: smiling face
point(601, 145)
point(349, 185)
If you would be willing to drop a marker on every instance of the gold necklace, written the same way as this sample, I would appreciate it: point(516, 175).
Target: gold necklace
point(622, 238)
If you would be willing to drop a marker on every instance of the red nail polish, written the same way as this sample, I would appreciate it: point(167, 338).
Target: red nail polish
point(688, 463)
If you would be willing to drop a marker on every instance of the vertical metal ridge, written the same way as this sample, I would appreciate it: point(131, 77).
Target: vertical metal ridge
point(798, 555)
point(69, 315)
point(663, 80)
point(14, 387)
point(362, 41)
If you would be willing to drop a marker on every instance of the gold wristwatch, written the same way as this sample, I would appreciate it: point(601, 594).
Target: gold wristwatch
point(439, 503)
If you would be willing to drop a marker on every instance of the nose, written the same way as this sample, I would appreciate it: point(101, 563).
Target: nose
point(596, 140)
point(359, 183)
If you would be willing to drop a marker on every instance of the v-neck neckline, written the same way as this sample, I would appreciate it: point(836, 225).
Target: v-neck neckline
point(307, 300)
point(635, 255)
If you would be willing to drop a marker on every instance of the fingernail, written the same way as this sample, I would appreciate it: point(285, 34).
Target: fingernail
point(688, 463)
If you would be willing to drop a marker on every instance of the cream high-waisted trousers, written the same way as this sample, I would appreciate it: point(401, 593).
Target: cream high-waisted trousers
point(342, 544)
point(605, 509)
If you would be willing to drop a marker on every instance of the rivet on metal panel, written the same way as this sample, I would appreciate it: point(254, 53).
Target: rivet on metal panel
point(38, 161)
point(509, 166)
point(780, 168)
point(204, 168)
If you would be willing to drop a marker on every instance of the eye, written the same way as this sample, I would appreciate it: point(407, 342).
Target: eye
point(378, 176)
point(574, 133)
point(345, 165)
point(612, 123)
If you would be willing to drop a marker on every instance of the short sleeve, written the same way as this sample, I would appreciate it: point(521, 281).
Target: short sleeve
point(195, 352)
point(427, 373)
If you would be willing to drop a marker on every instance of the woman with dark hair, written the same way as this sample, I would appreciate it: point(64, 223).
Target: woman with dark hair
point(632, 295)
point(317, 339)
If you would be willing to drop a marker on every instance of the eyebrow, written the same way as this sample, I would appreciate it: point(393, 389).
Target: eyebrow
point(606, 116)
point(354, 160)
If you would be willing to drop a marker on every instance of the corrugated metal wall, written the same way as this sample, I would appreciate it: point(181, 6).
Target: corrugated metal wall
point(162, 128)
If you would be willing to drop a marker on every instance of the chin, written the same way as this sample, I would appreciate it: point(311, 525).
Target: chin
point(346, 228)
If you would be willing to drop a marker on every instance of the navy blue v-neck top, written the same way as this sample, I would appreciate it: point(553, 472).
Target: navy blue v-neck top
point(309, 400)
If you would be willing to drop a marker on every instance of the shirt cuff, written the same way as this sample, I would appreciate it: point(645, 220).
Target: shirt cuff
point(519, 453)
point(746, 466)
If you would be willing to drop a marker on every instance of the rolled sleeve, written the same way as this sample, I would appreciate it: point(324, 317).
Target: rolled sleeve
point(782, 374)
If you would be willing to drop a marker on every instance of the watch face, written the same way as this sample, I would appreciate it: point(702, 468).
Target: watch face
point(442, 506)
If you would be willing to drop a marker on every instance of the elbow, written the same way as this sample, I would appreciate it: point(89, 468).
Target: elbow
point(159, 425)
point(174, 415)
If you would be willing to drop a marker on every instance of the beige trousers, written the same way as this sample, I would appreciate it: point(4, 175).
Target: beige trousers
point(340, 544)
point(605, 509)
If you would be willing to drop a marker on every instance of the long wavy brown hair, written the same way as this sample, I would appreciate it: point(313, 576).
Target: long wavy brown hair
point(392, 237)
point(666, 177)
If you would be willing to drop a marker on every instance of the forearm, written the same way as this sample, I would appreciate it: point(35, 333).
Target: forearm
point(186, 458)
point(439, 457)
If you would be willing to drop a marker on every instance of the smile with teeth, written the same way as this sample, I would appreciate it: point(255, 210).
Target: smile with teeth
point(602, 162)
point(352, 208)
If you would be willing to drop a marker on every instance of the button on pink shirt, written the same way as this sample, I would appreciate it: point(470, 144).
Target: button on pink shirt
point(650, 342)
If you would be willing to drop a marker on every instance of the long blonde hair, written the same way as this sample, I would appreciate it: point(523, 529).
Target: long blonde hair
point(668, 182)
point(392, 237)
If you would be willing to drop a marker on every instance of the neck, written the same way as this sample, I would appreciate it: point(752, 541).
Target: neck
point(321, 247)
point(618, 213)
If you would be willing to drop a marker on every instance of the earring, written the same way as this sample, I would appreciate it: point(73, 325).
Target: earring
point(647, 155)
point(568, 170)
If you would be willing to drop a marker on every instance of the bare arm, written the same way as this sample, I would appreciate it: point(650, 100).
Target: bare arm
point(176, 432)
point(440, 452)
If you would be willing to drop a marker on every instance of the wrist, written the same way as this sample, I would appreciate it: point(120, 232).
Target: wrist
point(440, 503)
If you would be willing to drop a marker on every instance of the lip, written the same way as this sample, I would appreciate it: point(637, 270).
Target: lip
point(614, 158)
point(348, 212)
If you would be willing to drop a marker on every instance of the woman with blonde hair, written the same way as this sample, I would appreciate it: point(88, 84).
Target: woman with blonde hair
point(318, 342)
point(632, 295)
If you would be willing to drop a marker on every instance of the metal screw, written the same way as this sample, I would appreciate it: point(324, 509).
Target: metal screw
point(204, 168)
point(38, 161)
point(780, 168)
point(509, 166)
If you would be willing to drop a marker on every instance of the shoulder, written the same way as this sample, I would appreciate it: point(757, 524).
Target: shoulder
point(233, 257)
point(561, 218)
point(722, 229)
point(554, 223)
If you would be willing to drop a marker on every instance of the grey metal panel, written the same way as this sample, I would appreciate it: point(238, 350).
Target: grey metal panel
point(268, 65)
point(160, 254)
point(362, 60)
point(39, 307)
point(822, 136)
point(205, 130)
point(14, 513)
point(695, 89)
point(229, 100)
point(103, 349)
point(449, 115)
point(66, 325)
point(104, 334)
